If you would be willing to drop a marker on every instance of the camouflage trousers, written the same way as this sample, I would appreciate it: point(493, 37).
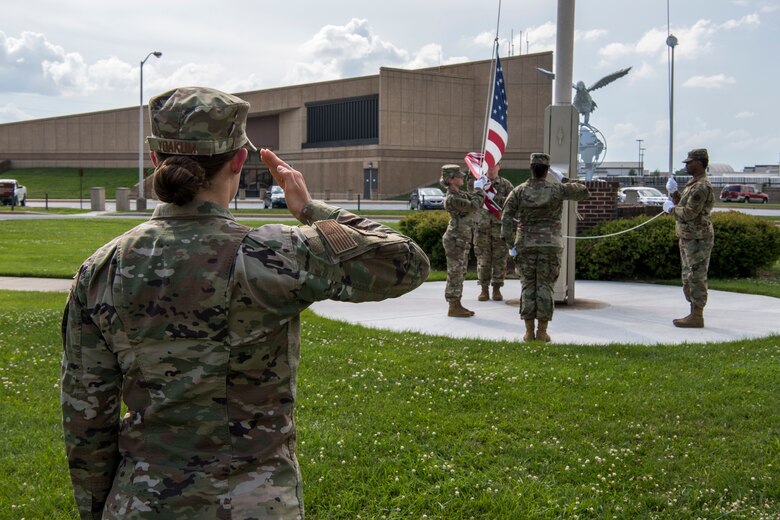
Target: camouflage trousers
point(538, 269)
point(457, 251)
point(695, 259)
point(492, 253)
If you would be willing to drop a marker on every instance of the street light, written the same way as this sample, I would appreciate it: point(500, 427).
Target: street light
point(639, 161)
point(140, 204)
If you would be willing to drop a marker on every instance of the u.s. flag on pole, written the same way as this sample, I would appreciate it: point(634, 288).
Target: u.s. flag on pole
point(497, 135)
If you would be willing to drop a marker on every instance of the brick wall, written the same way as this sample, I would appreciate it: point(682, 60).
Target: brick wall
point(600, 206)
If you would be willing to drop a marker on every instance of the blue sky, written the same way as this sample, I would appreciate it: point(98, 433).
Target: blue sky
point(79, 56)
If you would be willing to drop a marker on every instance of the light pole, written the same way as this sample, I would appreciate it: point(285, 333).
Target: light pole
point(671, 41)
point(642, 161)
point(140, 203)
point(639, 160)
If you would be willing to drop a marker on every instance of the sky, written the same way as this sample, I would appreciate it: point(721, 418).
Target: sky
point(60, 58)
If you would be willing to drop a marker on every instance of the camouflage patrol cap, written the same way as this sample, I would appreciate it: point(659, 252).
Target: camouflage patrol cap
point(540, 158)
point(697, 154)
point(198, 121)
point(449, 171)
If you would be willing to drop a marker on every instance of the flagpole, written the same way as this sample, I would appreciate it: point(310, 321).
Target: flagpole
point(491, 87)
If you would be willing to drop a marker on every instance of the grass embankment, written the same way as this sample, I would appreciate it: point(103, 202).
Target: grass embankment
point(410, 426)
point(65, 183)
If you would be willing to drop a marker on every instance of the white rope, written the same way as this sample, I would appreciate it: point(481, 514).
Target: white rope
point(619, 232)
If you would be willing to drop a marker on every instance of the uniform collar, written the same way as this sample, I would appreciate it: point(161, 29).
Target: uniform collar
point(194, 209)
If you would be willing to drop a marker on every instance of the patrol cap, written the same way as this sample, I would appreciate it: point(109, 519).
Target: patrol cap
point(697, 154)
point(540, 158)
point(449, 171)
point(198, 121)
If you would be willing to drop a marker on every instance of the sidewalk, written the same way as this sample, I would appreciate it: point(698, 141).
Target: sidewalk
point(603, 313)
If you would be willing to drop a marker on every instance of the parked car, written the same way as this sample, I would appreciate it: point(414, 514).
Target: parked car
point(641, 195)
point(274, 198)
point(426, 198)
point(13, 193)
point(743, 193)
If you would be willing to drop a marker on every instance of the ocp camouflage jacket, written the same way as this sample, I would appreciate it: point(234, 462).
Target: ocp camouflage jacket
point(192, 321)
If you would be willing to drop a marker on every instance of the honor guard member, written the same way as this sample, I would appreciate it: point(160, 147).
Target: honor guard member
point(691, 211)
point(490, 249)
point(462, 206)
point(531, 227)
point(191, 322)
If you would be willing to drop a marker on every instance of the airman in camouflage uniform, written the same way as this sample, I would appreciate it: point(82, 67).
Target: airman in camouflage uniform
point(192, 321)
point(490, 249)
point(531, 223)
point(462, 206)
point(696, 235)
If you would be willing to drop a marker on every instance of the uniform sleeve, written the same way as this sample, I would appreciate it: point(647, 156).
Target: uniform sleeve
point(575, 191)
point(502, 194)
point(693, 205)
point(508, 224)
point(90, 399)
point(469, 202)
point(346, 257)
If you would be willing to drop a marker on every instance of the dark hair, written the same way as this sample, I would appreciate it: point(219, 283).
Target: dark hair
point(539, 170)
point(178, 178)
point(705, 163)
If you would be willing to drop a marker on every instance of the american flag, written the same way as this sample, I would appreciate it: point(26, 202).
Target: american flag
point(497, 136)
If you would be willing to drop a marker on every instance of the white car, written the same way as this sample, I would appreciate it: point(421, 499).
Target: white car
point(641, 195)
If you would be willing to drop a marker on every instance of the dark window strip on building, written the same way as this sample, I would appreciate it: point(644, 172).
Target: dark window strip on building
point(342, 122)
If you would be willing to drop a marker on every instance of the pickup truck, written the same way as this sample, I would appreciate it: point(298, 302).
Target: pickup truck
point(13, 193)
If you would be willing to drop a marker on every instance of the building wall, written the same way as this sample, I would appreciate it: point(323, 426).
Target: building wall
point(427, 118)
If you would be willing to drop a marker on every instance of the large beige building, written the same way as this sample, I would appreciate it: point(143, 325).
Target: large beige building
point(373, 136)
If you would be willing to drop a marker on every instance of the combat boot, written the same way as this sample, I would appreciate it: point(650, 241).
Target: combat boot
point(457, 311)
point(464, 309)
point(541, 332)
point(497, 296)
point(484, 296)
point(529, 331)
point(695, 320)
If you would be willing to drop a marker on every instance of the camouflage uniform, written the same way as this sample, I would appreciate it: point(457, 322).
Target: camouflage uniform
point(462, 207)
point(192, 321)
point(489, 247)
point(696, 236)
point(531, 221)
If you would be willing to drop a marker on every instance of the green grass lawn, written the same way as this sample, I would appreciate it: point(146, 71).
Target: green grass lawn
point(65, 183)
point(410, 426)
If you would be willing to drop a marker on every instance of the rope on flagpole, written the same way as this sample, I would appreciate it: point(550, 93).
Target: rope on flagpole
point(617, 233)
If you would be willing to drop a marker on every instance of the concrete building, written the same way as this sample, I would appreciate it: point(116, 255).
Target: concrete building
point(374, 136)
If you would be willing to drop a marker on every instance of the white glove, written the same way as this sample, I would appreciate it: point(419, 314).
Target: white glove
point(671, 185)
point(513, 252)
point(668, 206)
point(558, 175)
point(479, 184)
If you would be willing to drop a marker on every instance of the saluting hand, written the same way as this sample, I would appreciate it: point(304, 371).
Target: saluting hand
point(290, 180)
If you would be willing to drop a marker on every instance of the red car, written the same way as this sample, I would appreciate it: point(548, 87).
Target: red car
point(743, 193)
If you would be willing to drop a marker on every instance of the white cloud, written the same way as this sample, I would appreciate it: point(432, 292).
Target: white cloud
point(541, 38)
point(693, 41)
point(337, 51)
point(644, 71)
point(744, 115)
point(716, 81)
point(593, 34)
point(10, 112)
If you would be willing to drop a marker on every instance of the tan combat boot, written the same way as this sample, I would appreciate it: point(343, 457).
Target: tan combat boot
point(457, 311)
point(497, 296)
point(484, 296)
point(529, 331)
point(471, 313)
point(541, 332)
point(695, 320)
